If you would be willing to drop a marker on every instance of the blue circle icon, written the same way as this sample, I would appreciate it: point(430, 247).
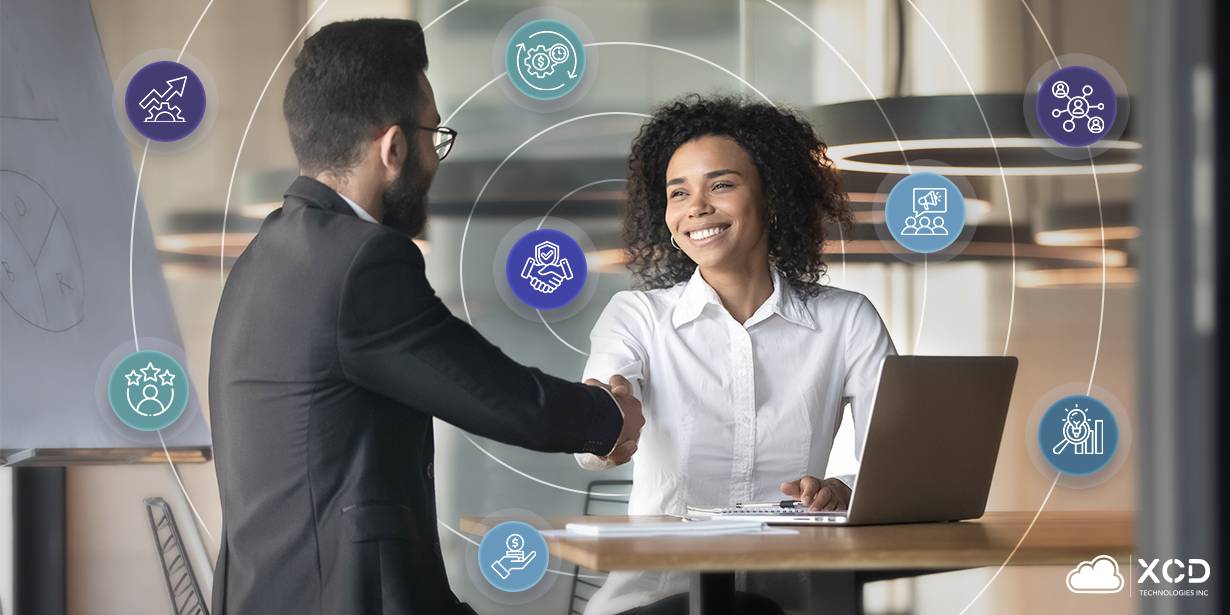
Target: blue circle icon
point(1078, 435)
point(148, 390)
point(546, 269)
point(1076, 106)
point(165, 101)
point(925, 212)
point(513, 556)
point(545, 59)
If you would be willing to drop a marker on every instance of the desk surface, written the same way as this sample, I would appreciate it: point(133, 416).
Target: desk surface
point(1058, 538)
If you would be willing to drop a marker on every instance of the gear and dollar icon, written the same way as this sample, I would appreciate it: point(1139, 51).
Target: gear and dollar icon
point(545, 59)
point(540, 62)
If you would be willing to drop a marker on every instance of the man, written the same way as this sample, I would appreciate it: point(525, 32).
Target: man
point(331, 354)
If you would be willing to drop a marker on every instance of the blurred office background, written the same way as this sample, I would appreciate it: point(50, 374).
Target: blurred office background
point(1053, 314)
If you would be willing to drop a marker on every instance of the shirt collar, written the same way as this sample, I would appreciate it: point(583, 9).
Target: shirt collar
point(358, 210)
point(784, 302)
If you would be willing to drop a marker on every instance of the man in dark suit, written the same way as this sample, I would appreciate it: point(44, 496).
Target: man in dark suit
point(331, 354)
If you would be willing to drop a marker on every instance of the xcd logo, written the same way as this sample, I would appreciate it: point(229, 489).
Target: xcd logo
point(1172, 572)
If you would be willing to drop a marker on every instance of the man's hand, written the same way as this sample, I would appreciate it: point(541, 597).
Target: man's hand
point(511, 563)
point(625, 444)
point(829, 494)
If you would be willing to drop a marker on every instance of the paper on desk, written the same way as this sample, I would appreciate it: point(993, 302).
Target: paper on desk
point(670, 528)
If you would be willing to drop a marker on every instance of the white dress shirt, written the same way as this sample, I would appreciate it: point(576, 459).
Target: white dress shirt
point(731, 410)
point(358, 209)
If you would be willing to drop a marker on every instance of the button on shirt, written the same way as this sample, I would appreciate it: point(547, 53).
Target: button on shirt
point(732, 409)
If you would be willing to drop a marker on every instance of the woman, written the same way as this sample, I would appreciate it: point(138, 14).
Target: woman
point(741, 358)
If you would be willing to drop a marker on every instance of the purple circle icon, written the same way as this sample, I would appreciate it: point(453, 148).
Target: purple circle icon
point(1076, 106)
point(165, 101)
point(546, 269)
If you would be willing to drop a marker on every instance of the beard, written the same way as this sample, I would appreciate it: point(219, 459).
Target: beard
point(405, 201)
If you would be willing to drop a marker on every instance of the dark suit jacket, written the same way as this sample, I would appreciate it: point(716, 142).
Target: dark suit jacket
point(331, 354)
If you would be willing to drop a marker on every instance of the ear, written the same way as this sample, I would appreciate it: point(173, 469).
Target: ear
point(394, 149)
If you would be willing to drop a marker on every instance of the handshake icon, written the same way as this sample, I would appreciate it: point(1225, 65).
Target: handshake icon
point(546, 270)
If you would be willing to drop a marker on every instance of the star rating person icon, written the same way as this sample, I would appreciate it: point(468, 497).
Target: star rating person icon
point(149, 375)
point(148, 390)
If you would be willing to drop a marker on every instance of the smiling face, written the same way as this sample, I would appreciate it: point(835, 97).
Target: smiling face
point(715, 204)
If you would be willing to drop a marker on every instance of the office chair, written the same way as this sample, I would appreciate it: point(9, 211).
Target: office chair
point(182, 585)
point(602, 497)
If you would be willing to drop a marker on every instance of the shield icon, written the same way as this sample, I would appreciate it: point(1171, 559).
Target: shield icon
point(546, 253)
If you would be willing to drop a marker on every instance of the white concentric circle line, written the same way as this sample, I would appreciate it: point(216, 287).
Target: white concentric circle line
point(132, 236)
point(465, 231)
point(690, 55)
point(243, 140)
point(534, 478)
point(1028, 528)
point(551, 570)
point(543, 221)
point(998, 162)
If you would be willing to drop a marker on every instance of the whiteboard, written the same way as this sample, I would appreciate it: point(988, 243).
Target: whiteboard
point(66, 211)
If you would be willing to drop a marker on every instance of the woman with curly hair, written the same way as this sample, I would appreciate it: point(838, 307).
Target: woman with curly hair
point(741, 356)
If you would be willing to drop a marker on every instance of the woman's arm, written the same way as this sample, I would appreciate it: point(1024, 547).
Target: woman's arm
point(867, 343)
point(617, 348)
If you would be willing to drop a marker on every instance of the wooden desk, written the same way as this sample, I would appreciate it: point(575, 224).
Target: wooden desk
point(849, 556)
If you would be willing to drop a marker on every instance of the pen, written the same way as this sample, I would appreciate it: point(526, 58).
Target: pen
point(781, 504)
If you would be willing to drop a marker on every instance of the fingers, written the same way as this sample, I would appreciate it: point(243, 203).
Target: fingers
point(810, 486)
point(792, 489)
point(594, 383)
point(620, 386)
point(822, 500)
point(622, 454)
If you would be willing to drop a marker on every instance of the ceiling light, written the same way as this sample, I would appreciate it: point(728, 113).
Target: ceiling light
point(1083, 224)
point(947, 135)
point(1076, 277)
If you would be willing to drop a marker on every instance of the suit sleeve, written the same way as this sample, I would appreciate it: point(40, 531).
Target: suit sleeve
point(396, 338)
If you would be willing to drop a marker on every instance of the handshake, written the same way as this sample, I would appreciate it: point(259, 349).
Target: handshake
point(634, 420)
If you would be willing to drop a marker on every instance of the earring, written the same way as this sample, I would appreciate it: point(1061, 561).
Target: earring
point(673, 242)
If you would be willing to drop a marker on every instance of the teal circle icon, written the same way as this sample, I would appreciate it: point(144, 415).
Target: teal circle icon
point(148, 390)
point(545, 59)
point(1078, 435)
point(513, 556)
point(925, 212)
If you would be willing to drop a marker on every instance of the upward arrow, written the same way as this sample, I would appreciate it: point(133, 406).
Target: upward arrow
point(175, 87)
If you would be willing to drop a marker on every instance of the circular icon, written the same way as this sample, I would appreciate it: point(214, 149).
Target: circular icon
point(513, 556)
point(925, 212)
point(148, 390)
point(1076, 106)
point(546, 269)
point(1078, 435)
point(545, 59)
point(165, 101)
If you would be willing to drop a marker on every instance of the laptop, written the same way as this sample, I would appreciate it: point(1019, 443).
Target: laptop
point(932, 441)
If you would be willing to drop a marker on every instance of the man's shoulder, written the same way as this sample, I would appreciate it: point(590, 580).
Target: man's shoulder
point(317, 235)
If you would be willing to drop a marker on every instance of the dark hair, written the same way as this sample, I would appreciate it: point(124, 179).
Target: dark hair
point(350, 78)
point(801, 187)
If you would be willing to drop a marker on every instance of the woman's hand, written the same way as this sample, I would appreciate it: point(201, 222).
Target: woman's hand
point(819, 495)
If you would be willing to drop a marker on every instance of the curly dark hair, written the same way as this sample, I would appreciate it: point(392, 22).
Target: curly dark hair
point(802, 190)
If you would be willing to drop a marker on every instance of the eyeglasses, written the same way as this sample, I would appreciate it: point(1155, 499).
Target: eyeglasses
point(442, 139)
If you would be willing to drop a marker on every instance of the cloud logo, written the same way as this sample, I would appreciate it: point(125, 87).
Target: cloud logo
point(1097, 576)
